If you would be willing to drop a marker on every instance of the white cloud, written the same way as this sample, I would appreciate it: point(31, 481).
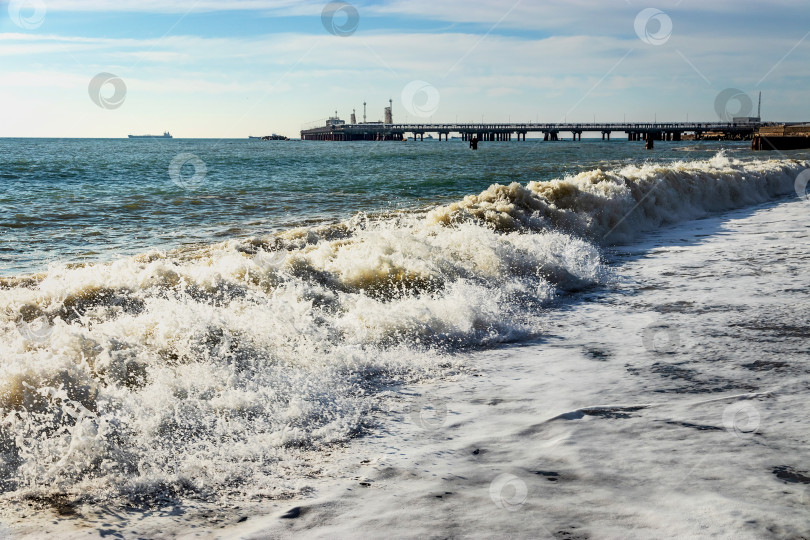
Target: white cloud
point(185, 6)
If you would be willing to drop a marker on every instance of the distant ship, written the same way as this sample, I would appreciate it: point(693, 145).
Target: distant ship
point(272, 137)
point(166, 135)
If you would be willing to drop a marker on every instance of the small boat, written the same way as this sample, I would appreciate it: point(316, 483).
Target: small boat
point(166, 135)
point(254, 138)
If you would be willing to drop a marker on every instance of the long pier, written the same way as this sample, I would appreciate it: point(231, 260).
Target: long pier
point(635, 131)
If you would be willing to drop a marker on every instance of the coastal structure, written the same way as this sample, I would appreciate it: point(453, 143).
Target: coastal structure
point(338, 130)
point(764, 135)
point(782, 137)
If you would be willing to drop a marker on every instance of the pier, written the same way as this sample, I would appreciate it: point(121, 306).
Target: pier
point(782, 137)
point(337, 130)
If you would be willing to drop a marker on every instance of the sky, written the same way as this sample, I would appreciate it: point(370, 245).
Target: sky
point(221, 69)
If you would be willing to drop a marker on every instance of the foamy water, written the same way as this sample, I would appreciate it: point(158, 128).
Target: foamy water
point(216, 371)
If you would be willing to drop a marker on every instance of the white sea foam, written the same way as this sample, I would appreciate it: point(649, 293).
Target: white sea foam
point(615, 206)
point(215, 370)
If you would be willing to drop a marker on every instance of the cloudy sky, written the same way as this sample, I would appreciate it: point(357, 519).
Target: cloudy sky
point(232, 68)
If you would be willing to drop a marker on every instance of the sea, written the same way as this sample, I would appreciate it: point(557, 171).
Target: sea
point(190, 326)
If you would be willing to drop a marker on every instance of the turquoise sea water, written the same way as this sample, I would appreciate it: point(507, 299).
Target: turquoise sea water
point(81, 200)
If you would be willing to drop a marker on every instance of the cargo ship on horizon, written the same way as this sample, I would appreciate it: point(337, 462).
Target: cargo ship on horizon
point(166, 135)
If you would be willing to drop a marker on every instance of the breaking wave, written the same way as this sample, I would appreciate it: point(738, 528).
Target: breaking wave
point(213, 371)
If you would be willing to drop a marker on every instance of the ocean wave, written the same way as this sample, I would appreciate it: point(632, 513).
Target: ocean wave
point(214, 370)
point(615, 206)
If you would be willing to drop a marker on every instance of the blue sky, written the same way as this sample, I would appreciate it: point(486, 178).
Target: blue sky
point(205, 68)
